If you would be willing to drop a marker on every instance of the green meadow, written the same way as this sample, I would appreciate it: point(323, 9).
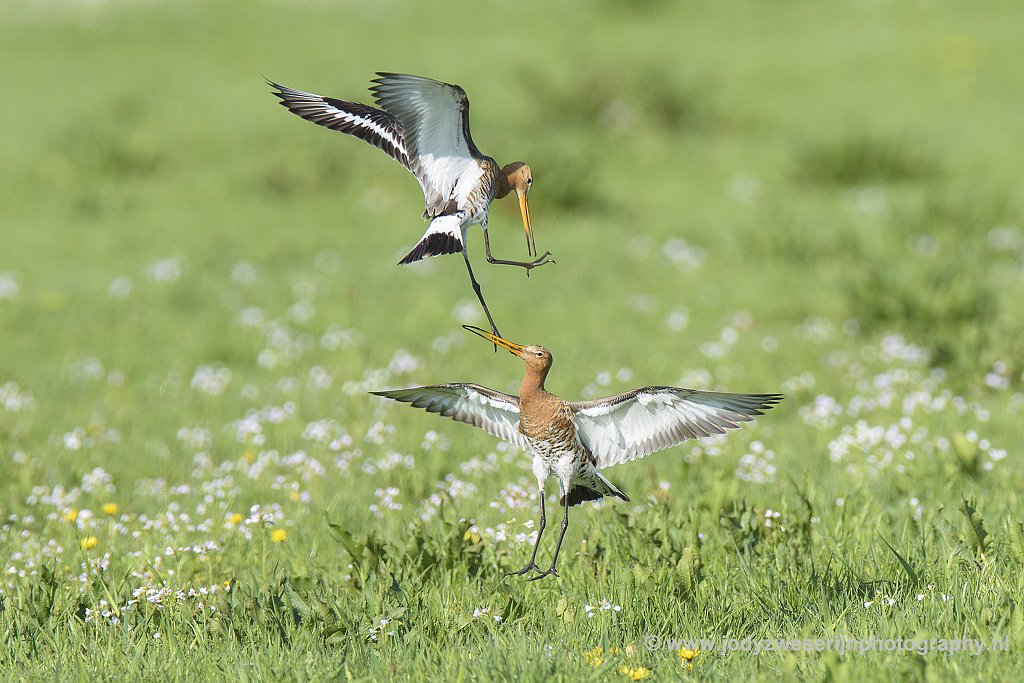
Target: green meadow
point(198, 290)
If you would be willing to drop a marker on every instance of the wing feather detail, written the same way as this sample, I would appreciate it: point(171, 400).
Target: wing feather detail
point(379, 128)
point(435, 119)
point(494, 412)
point(621, 428)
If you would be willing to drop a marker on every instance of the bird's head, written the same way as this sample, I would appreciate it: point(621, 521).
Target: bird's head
point(518, 176)
point(535, 357)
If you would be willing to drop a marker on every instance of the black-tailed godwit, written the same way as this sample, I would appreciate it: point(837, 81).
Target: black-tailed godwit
point(423, 124)
point(572, 441)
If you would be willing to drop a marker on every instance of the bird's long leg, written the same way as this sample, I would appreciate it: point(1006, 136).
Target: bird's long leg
point(532, 564)
point(558, 546)
point(479, 294)
point(529, 265)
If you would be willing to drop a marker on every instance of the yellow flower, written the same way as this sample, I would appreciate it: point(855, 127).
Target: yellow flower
point(249, 456)
point(89, 542)
point(686, 657)
point(471, 536)
point(109, 509)
point(595, 657)
point(634, 673)
point(235, 518)
point(71, 514)
point(278, 535)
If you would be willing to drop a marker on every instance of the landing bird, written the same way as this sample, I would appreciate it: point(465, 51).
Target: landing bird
point(423, 124)
point(573, 440)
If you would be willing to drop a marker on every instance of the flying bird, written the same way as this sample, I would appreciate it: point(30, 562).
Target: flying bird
point(423, 124)
point(573, 441)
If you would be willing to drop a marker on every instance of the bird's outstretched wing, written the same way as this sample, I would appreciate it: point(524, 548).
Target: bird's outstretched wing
point(379, 128)
point(435, 121)
point(490, 410)
point(621, 428)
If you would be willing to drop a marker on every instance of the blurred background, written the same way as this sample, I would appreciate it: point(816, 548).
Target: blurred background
point(855, 165)
point(197, 288)
point(788, 159)
point(699, 166)
point(785, 158)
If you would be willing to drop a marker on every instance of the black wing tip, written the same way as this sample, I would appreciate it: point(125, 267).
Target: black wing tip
point(764, 402)
point(395, 395)
point(382, 76)
point(287, 95)
point(436, 244)
point(386, 394)
point(281, 91)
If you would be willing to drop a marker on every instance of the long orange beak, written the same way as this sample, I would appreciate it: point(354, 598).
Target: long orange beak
point(514, 349)
point(524, 208)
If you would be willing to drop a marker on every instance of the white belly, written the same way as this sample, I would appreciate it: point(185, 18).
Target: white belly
point(552, 458)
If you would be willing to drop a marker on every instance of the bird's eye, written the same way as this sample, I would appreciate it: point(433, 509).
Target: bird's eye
point(539, 354)
point(529, 181)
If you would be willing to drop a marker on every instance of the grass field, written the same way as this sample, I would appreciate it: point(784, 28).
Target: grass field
point(197, 291)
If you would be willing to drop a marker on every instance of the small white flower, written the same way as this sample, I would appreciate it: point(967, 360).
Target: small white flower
point(243, 274)
point(120, 288)
point(165, 271)
point(8, 287)
point(211, 380)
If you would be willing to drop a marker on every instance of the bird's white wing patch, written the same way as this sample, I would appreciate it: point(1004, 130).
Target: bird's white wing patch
point(445, 178)
point(435, 117)
point(493, 411)
point(621, 428)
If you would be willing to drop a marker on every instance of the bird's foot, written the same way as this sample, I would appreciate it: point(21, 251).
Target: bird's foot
point(539, 261)
point(540, 575)
point(528, 568)
point(528, 265)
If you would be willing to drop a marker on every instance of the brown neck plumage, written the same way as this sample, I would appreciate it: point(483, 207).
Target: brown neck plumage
point(503, 187)
point(533, 382)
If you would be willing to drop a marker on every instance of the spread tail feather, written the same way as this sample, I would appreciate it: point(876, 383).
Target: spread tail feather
point(593, 487)
point(443, 236)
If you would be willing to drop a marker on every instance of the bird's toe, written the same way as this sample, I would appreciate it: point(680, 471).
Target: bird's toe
point(541, 575)
point(528, 568)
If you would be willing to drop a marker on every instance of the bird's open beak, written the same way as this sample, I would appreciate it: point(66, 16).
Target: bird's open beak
point(514, 349)
point(524, 208)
